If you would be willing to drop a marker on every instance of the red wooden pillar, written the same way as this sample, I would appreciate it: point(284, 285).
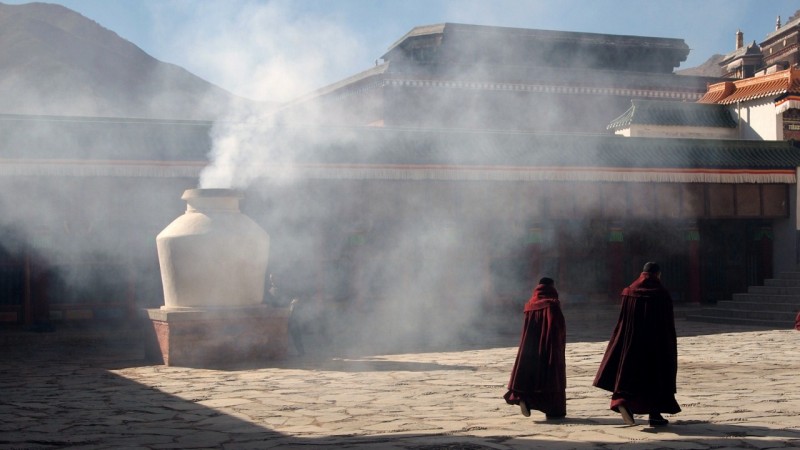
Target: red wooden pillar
point(36, 290)
point(533, 255)
point(694, 294)
point(27, 290)
point(40, 289)
point(616, 252)
point(764, 239)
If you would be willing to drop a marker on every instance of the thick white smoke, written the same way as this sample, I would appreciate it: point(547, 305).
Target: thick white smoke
point(270, 52)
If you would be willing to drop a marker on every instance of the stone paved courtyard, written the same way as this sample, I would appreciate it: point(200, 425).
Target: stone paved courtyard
point(738, 387)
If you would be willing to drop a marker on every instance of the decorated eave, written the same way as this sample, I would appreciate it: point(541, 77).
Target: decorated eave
point(548, 81)
point(503, 156)
point(410, 154)
point(670, 113)
point(417, 32)
point(787, 102)
point(363, 81)
point(764, 86)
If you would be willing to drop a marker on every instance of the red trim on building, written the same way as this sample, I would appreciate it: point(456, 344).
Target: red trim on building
point(727, 92)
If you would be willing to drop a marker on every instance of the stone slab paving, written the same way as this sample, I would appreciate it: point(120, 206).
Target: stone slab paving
point(738, 387)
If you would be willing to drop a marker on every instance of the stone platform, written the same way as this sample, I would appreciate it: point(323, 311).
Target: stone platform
point(213, 337)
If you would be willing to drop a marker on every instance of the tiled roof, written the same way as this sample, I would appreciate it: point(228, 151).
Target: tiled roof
point(726, 93)
point(480, 44)
point(540, 79)
point(783, 29)
point(717, 92)
point(103, 138)
point(666, 113)
point(485, 148)
point(750, 50)
point(537, 35)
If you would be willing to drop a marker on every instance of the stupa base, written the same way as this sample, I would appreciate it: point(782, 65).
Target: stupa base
point(216, 337)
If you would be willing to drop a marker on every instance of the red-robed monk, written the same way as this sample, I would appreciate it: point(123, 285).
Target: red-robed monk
point(641, 361)
point(539, 377)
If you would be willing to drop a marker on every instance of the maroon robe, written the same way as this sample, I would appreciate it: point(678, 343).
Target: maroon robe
point(797, 322)
point(641, 361)
point(539, 375)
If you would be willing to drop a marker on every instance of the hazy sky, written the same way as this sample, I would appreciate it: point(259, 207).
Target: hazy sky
point(271, 50)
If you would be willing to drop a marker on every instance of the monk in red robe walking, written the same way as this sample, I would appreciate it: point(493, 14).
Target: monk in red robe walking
point(641, 361)
point(539, 378)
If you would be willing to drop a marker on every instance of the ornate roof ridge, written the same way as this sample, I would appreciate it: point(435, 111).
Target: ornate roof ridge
point(726, 92)
point(782, 29)
point(379, 69)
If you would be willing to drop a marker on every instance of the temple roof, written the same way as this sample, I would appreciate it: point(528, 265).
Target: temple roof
point(752, 50)
point(103, 138)
point(782, 30)
point(666, 113)
point(526, 79)
point(451, 43)
point(454, 58)
point(772, 85)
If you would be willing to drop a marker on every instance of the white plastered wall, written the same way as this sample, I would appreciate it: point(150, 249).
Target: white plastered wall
point(757, 120)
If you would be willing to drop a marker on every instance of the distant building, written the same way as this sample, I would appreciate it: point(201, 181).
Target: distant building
point(376, 216)
point(471, 162)
point(743, 62)
point(456, 76)
point(780, 50)
point(765, 106)
point(81, 200)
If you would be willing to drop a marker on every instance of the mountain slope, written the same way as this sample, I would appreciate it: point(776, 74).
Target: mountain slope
point(56, 61)
point(710, 68)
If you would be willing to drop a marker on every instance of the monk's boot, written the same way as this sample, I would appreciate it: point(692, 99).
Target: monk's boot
point(627, 417)
point(656, 420)
point(523, 408)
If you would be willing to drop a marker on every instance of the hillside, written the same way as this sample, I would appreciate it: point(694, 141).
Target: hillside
point(710, 68)
point(56, 61)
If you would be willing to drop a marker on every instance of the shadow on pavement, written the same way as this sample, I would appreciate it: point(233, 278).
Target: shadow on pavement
point(65, 397)
point(54, 399)
point(365, 365)
point(701, 430)
point(322, 362)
